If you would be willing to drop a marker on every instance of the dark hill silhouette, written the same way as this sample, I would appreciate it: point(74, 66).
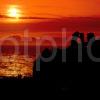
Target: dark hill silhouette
point(72, 77)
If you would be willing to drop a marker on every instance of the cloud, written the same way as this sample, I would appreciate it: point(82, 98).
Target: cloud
point(4, 16)
point(71, 24)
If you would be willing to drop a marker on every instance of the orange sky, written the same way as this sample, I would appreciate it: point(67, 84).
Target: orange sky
point(53, 8)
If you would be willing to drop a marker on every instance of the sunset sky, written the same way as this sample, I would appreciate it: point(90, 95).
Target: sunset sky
point(73, 14)
point(53, 8)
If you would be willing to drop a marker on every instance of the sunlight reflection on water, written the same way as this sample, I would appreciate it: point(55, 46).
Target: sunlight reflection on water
point(15, 65)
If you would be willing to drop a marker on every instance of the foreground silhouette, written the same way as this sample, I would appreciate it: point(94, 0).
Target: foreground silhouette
point(78, 72)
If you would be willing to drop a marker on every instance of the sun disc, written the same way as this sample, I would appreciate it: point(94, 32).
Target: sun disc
point(13, 12)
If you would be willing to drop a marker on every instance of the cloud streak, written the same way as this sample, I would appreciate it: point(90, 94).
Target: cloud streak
point(71, 24)
point(4, 16)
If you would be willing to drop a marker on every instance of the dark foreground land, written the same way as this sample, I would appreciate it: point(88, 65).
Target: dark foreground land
point(78, 72)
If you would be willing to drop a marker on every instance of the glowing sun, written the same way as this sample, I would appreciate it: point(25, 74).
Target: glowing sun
point(13, 12)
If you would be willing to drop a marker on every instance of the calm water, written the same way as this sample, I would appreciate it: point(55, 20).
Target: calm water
point(15, 65)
